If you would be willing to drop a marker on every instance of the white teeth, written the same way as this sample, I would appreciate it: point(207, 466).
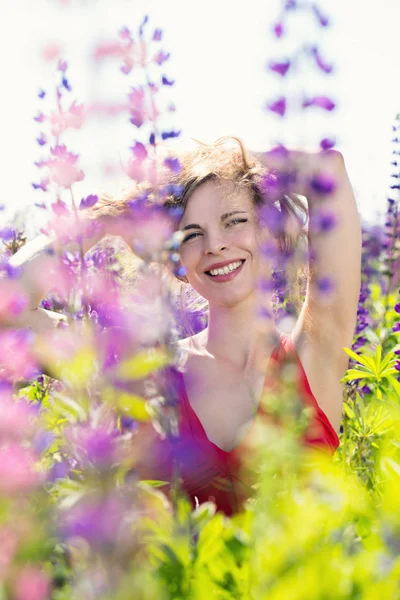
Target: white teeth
point(227, 269)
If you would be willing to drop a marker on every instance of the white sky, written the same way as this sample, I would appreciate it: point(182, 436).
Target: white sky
point(219, 49)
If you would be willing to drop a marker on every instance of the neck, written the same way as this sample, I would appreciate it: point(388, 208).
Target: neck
point(239, 336)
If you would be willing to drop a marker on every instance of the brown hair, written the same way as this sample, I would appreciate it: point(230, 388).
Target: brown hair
point(222, 163)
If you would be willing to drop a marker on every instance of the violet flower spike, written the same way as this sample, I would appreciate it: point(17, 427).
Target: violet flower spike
point(278, 30)
point(327, 143)
point(321, 101)
point(323, 21)
point(166, 81)
point(280, 67)
point(325, 67)
point(278, 107)
point(88, 202)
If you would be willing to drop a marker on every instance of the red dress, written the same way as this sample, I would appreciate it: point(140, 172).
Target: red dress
point(207, 471)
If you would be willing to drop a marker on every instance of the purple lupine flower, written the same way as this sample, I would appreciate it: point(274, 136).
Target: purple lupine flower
point(396, 327)
point(7, 233)
point(323, 21)
point(327, 143)
point(165, 135)
point(157, 35)
point(62, 65)
point(166, 81)
point(324, 221)
point(280, 67)
point(42, 185)
point(41, 140)
point(325, 285)
point(173, 164)
point(161, 57)
point(278, 30)
point(66, 84)
point(325, 67)
point(397, 307)
point(88, 202)
point(278, 107)
point(139, 151)
point(41, 94)
point(152, 139)
point(320, 101)
point(323, 183)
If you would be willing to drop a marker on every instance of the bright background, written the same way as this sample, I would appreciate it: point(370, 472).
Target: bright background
point(219, 49)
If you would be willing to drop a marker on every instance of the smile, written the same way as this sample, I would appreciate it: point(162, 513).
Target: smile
point(227, 272)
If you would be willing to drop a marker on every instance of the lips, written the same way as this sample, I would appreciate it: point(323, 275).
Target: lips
point(223, 264)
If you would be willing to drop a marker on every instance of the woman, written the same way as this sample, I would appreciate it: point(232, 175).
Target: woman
point(226, 229)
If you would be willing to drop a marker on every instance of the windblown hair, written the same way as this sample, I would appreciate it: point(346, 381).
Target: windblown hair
point(221, 162)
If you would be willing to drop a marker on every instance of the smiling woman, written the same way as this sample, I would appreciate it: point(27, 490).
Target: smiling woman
point(241, 221)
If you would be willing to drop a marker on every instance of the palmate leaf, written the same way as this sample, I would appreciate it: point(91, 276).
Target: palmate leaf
point(357, 374)
point(367, 361)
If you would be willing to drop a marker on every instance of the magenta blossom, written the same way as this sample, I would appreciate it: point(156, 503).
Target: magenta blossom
point(278, 107)
point(280, 67)
point(161, 57)
point(32, 584)
point(63, 169)
point(89, 201)
point(321, 101)
point(323, 183)
point(73, 118)
point(17, 469)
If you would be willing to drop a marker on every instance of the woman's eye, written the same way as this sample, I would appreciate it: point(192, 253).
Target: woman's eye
point(235, 221)
point(191, 236)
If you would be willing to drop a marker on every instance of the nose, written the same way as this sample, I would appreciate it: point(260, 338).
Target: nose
point(215, 244)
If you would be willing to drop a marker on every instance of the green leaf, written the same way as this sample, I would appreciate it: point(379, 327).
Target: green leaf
point(348, 410)
point(143, 364)
point(357, 374)
point(133, 406)
point(154, 482)
point(367, 361)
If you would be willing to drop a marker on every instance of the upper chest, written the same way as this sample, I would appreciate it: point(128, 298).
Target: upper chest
point(225, 401)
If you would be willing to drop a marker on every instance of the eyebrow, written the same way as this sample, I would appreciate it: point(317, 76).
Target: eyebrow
point(223, 217)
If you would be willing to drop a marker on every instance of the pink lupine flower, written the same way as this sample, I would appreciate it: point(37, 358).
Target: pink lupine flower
point(59, 208)
point(63, 169)
point(16, 417)
point(17, 472)
point(16, 360)
point(106, 49)
point(51, 51)
point(32, 584)
point(70, 119)
point(139, 151)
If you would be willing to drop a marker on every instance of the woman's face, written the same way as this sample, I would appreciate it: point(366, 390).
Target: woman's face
point(221, 244)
